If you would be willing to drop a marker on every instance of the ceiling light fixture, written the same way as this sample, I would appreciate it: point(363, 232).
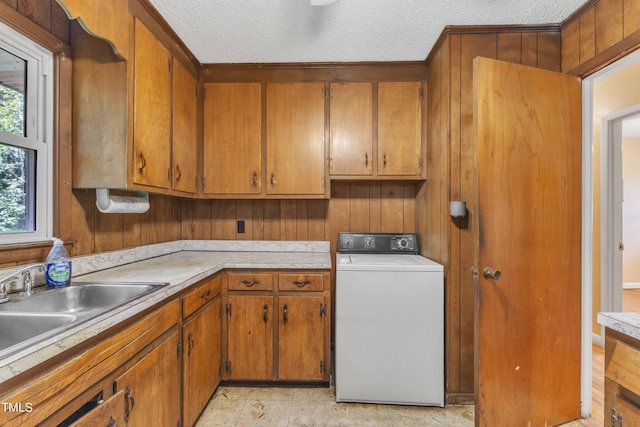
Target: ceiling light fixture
point(322, 2)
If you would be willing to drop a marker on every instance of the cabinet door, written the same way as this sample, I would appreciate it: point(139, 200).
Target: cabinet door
point(295, 139)
point(201, 344)
point(152, 110)
point(399, 128)
point(351, 128)
point(185, 130)
point(250, 337)
point(301, 341)
point(233, 138)
point(152, 387)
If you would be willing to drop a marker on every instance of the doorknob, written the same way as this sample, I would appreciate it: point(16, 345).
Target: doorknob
point(490, 273)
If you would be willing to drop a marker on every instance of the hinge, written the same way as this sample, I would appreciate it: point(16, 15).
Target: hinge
point(169, 175)
point(421, 92)
point(203, 182)
point(323, 310)
point(227, 366)
point(229, 309)
point(420, 163)
point(323, 367)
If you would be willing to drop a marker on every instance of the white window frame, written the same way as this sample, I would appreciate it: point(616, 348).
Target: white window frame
point(38, 127)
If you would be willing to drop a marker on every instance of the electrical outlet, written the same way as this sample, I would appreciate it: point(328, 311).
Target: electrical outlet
point(240, 226)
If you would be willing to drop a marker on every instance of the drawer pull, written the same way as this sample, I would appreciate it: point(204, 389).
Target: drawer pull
point(204, 295)
point(301, 284)
point(265, 316)
point(128, 396)
point(112, 422)
point(251, 283)
point(285, 311)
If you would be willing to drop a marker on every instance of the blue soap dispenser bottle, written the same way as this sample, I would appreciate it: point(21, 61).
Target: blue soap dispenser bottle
point(58, 266)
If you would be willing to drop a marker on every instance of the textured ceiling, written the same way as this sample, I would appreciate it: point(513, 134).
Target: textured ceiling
point(240, 31)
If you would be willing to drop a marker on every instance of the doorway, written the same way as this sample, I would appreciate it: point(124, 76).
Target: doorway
point(609, 97)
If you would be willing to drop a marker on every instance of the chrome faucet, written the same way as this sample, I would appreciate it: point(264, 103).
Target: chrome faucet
point(25, 274)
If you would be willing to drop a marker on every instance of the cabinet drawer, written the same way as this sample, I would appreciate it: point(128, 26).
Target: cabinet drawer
point(300, 282)
point(201, 295)
point(622, 367)
point(250, 281)
point(109, 413)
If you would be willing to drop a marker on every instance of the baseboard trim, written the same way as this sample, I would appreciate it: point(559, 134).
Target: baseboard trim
point(460, 398)
point(631, 285)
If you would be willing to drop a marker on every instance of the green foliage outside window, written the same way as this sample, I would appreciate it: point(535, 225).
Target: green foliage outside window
point(12, 163)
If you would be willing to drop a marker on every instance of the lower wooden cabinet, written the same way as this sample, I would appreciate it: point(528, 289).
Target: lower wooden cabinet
point(622, 381)
point(152, 386)
point(301, 330)
point(279, 332)
point(201, 360)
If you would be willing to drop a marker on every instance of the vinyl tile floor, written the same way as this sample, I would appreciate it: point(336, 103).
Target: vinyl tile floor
point(280, 406)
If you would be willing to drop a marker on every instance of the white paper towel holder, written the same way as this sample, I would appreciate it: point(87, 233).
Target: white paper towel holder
point(121, 204)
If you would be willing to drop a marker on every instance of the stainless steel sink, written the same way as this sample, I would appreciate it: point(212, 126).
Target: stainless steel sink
point(20, 328)
point(79, 298)
point(25, 321)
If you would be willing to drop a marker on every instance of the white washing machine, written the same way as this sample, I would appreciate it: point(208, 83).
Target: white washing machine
point(389, 343)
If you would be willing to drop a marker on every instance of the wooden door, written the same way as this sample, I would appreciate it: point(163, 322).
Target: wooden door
point(185, 130)
point(250, 338)
point(527, 337)
point(301, 338)
point(152, 109)
point(201, 359)
point(399, 128)
point(152, 387)
point(351, 128)
point(295, 139)
point(233, 138)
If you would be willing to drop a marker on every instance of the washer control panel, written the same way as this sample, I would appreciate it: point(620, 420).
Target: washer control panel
point(381, 243)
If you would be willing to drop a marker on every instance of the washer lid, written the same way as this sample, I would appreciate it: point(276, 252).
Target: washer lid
point(387, 262)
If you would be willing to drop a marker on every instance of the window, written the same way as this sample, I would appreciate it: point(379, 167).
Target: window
point(26, 138)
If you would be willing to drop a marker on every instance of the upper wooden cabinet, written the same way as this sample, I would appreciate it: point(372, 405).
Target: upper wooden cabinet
point(395, 151)
point(232, 148)
point(135, 122)
point(399, 129)
point(351, 128)
point(185, 130)
point(152, 110)
point(295, 142)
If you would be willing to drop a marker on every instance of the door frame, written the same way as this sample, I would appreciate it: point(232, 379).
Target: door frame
point(589, 336)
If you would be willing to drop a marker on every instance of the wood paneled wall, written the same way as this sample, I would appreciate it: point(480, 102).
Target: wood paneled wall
point(599, 33)
point(451, 174)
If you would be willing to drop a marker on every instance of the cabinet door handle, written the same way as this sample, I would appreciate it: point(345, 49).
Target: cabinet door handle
point(265, 316)
point(251, 283)
point(128, 396)
point(192, 344)
point(301, 284)
point(178, 172)
point(366, 160)
point(143, 163)
point(254, 180)
point(384, 160)
point(285, 311)
point(274, 181)
point(112, 422)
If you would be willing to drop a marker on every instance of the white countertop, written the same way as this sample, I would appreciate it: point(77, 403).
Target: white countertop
point(626, 323)
point(186, 263)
